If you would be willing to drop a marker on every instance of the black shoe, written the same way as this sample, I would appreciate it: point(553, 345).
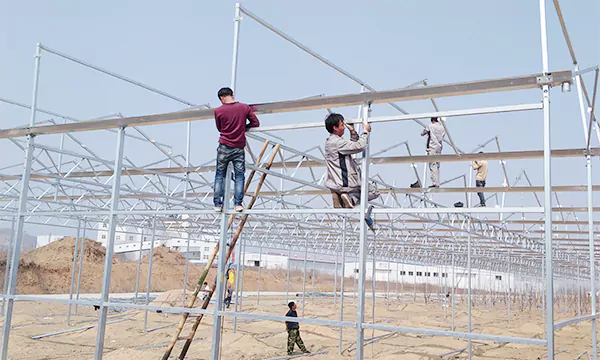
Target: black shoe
point(415, 185)
point(369, 219)
point(306, 352)
point(482, 205)
point(433, 186)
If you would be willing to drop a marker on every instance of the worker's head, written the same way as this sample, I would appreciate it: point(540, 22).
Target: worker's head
point(226, 95)
point(292, 305)
point(435, 120)
point(334, 123)
point(205, 283)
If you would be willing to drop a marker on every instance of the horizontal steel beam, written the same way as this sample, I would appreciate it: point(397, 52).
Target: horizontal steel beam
point(534, 154)
point(382, 119)
point(522, 82)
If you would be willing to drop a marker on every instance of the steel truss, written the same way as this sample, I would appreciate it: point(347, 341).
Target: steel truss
point(68, 185)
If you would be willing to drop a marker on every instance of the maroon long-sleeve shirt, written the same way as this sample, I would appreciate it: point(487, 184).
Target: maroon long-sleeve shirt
point(231, 123)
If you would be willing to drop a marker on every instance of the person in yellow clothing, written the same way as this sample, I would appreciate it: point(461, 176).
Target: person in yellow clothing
point(481, 166)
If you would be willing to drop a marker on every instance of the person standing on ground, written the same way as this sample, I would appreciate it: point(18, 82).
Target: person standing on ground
point(228, 296)
point(343, 173)
point(293, 329)
point(230, 119)
point(481, 166)
point(435, 137)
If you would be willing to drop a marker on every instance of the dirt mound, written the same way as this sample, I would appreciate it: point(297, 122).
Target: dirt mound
point(59, 254)
point(165, 256)
point(47, 270)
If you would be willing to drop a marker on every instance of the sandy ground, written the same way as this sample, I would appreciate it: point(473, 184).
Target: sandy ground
point(267, 339)
point(47, 270)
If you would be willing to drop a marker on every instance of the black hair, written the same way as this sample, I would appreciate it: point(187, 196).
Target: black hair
point(332, 120)
point(291, 304)
point(481, 152)
point(224, 92)
point(205, 283)
point(435, 119)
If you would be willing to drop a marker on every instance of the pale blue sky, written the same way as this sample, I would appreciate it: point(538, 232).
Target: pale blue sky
point(184, 47)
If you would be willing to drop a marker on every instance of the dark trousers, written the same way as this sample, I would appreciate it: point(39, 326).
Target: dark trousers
point(295, 339)
point(480, 183)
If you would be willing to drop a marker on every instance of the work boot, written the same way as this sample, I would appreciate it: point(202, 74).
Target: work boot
point(433, 186)
point(415, 185)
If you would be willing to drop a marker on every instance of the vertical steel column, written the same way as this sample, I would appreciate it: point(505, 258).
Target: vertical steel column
point(304, 277)
point(243, 248)
point(343, 277)
point(509, 291)
point(73, 268)
point(491, 289)
point(469, 300)
point(139, 266)
point(219, 292)
point(287, 282)
point(8, 262)
point(354, 274)
point(373, 283)
point(592, 254)
point(402, 281)
point(149, 279)
point(110, 245)
point(544, 297)
point(397, 280)
point(453, 279)
point(578, 296)
point(236, 45)
point(80, 267)
point(259, 266)
point(388, 287)
point(363, 249)
point(185, 272)
point(547, 189)
point(312, 294)
point(237, 281)
point(22, 208)
point(335, 287)
point(414, 283)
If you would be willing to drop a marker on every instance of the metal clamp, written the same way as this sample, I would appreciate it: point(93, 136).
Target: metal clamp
point(545, 79)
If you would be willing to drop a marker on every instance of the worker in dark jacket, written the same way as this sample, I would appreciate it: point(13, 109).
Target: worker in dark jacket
point(293, 329)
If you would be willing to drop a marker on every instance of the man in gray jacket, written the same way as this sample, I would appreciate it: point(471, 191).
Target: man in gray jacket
point(343, 173)
point(435, 133)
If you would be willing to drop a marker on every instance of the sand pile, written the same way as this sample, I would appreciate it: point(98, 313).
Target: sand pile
point(47, 270)
point(59, 254)
point(164, 256)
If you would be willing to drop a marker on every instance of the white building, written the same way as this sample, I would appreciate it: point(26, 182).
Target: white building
point(43, 240)
point(128, 241)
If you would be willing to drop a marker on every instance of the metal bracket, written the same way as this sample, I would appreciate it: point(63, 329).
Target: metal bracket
point(545, 79)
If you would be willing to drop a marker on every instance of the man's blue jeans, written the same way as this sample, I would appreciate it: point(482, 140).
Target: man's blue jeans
point(225, 155)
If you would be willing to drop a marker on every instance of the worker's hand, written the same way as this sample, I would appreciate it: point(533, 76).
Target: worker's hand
point(367, 126)
point(350, 127)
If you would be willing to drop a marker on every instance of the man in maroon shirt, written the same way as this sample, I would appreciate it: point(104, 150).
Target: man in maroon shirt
point(230, 119)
